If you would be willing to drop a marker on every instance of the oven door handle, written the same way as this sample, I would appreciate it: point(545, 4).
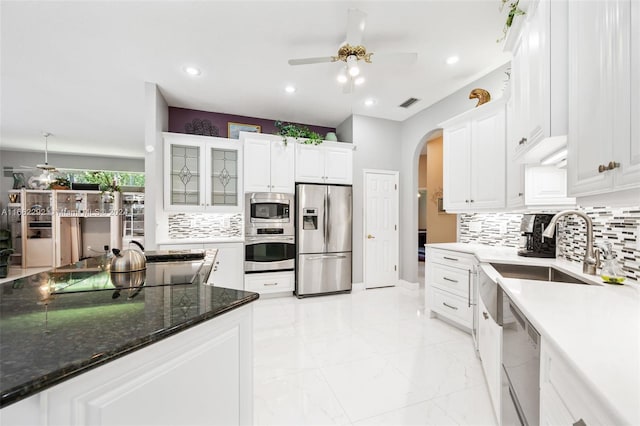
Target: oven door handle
point(329, 256)
point(277, 239)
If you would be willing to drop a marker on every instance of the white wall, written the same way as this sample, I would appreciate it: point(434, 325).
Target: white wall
point(156, 122)
point(413, 134)
point(377, 144)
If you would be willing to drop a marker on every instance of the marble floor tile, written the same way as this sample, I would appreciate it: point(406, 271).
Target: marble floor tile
point(369, 357)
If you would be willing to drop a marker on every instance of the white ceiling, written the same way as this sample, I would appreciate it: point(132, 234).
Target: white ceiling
point(77, 69)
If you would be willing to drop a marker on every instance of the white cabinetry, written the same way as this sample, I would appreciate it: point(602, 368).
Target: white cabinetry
point(202, 375)
point(268, 163)
point(604, 51)
point(330, 162)
point(228, 270)
point(546, 186)
point(270, 282)
point(202, 174)
point(474, 159)
point(490, 351)
point(539, 80)
point(564, 398)
point(450, 285)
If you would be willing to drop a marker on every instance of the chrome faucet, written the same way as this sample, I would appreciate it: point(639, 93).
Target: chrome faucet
point(591, 257)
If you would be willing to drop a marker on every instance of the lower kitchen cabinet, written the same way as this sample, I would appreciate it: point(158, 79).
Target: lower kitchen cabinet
point(270, 282)
point(490, 350)
point(564, 398)
point(228, 270)
point(202, 375)
point(450, 286)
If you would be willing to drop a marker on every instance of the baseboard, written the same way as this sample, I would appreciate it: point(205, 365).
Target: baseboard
point(357, 286)
point(408, 285)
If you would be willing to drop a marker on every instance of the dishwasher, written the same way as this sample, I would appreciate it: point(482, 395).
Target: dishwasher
point(520, 400)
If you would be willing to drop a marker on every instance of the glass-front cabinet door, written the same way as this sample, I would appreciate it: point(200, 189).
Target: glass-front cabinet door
point(202, 173)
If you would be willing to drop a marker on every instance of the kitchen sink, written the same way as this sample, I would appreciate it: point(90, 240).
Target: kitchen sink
point(538, 273)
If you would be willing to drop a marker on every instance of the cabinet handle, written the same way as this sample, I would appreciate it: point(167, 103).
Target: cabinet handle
point(450, 280)
point(449, 306)
point(580, 423)
point(466, 201)
point(520, 194)
point(522, 141)
point(471, 201)
point(449, 258)
point(485, 315)
point(270, 284)
point(612, 165)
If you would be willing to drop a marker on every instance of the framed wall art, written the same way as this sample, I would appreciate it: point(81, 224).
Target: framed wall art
point(234, 129)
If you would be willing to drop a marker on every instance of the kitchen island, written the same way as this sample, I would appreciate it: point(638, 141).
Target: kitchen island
point(75, 349)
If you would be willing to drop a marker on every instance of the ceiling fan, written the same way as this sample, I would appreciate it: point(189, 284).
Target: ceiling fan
point(351, 52)
point(47, 169)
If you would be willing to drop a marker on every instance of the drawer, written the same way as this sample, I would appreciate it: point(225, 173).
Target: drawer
point(451, 306)
point(454, 280)
point(451, 258)
point(269, 282)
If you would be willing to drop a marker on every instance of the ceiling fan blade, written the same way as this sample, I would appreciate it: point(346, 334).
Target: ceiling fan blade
point(356, 20)
point(307, 61)
point(396, 58)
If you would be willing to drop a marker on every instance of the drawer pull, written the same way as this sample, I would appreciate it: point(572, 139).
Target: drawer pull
point(450, 279)
point(522, 141)
point(485, 315)
point(450, 258)
point(449, 306)
point(580, 423)
point(270, 284)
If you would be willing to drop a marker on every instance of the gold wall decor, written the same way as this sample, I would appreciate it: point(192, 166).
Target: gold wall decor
point(481, 95)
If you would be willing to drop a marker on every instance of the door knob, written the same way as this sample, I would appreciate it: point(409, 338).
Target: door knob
point(370, 237)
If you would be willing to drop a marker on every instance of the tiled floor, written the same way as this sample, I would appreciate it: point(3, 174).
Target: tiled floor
point(371, 357)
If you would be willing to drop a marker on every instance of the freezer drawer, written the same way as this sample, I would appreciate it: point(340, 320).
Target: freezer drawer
point(323, 273)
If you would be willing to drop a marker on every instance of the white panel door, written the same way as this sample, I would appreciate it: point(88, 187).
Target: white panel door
point(257, 165)
point(338, 165)
point(488, 161)
point(381, 229)
point(456, 167)
point(309, 164)
point(282, 167)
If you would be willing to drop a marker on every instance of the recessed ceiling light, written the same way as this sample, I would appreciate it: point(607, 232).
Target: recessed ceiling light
point(452, 60)
point(358, 81)
point(192, 70)
point(370, 102)
point(290, 89)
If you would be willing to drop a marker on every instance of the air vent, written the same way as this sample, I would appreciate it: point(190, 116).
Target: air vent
point(409, 102)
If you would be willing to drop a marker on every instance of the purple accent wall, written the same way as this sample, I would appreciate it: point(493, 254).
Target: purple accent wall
point(179, 118)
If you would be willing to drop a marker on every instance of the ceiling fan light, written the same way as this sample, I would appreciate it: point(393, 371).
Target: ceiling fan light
point(342, 78)
point(352, 65)
point(354, 71)
point(358, 81)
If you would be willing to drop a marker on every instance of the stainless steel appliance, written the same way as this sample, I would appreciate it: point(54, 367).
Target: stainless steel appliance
point(532, 242)
point(269, 253)
point(269, 213)
point(269, 232)
point(323, 236)
point(520, 400)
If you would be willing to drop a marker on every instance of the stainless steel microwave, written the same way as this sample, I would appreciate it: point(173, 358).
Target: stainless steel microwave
point(269, 213)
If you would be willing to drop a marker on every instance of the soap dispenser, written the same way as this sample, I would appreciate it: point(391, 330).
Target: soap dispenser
point(611, 272)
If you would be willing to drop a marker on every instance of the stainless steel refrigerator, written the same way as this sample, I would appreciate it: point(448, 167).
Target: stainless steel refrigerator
point(323, 239)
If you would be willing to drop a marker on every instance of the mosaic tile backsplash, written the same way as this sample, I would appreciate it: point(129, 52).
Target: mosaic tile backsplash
point(201, 225)
point(620, 226)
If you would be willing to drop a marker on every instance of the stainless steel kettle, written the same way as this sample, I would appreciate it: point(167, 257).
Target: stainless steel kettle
point(128, 260)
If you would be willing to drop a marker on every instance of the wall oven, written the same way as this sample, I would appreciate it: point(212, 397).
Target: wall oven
point(268, 253)
point(269, 213)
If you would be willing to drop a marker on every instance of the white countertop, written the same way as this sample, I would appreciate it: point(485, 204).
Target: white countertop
point(596, 328)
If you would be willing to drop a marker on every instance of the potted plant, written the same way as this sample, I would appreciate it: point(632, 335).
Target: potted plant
point(301, 133)
point(514, 11)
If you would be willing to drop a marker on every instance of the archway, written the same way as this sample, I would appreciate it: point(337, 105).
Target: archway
point(434, 225)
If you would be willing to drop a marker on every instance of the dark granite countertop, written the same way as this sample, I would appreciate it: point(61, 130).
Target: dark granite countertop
point(57, 324)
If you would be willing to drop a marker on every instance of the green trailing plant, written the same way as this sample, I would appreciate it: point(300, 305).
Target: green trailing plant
point(514, 11)
point(301, 133)
point(107, 181)
point(61, 182)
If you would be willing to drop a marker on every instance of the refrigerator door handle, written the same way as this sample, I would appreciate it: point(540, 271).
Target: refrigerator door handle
point(327, 256)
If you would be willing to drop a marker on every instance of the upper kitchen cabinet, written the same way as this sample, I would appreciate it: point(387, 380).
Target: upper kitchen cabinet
point(202, 174)
point(539, 81)
point(474, 159)
point(604, 55)
point(269, 163)
point(330, 162)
